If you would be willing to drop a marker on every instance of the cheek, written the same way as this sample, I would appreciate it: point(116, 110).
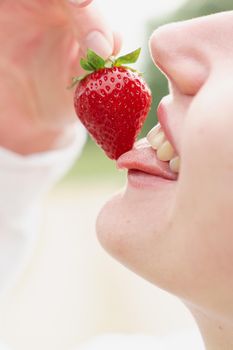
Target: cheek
point(207, 153)
point(205, 194)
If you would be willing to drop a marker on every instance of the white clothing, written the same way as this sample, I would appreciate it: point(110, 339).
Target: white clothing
point(23, 182)
point(187, 340)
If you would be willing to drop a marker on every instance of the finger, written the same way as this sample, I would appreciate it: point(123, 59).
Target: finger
point(117, 38)
point(92, 32)
point(75, 69)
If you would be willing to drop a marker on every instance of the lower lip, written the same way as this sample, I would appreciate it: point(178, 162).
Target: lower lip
point(140, 180)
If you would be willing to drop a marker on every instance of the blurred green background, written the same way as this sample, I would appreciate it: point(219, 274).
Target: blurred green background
point(94, 165)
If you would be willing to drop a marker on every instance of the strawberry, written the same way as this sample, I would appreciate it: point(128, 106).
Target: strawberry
point(112, 101)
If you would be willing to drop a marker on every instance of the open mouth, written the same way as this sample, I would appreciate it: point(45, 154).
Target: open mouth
point(156, 154)
point(163, 148)
point(143, 158)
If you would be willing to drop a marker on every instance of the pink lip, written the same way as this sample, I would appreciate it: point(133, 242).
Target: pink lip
point(163, 120)
point(143, 158)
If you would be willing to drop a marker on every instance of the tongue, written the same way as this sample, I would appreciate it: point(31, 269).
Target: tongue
point(143, 158)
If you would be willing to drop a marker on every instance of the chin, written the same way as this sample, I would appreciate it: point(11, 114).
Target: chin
point(134, 226)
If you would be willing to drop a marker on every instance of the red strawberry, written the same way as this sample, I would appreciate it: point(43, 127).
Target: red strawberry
point(112, 102)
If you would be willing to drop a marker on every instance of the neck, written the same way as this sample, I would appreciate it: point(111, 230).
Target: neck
point(217, 334)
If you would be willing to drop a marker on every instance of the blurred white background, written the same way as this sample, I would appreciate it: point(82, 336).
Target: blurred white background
point(72, 290)
point(129, 18)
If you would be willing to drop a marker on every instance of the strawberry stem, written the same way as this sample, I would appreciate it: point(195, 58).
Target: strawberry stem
point(94, 62)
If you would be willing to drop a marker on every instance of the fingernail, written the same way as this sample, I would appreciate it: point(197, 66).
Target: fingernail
point(98, 43)
point(80, 3)
point(77, 2)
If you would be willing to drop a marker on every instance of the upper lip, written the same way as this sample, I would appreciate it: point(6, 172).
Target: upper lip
point(164, 122)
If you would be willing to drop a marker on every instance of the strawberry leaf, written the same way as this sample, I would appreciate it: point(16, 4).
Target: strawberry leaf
point(132, 57)
point(86, 65)
point(94, 60)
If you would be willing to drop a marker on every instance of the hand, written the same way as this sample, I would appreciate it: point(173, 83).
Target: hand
point(41, 45)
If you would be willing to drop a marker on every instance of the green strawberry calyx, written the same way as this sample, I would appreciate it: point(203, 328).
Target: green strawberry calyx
point(94, 62)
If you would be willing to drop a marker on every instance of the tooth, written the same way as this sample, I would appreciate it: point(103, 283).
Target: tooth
point(175, 164)
point(154, 131)
point(165, 152)
point(156, 139)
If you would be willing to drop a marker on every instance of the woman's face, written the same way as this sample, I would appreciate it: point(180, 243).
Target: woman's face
point(179, 233)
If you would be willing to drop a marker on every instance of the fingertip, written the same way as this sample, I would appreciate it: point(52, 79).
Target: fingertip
point(117, 39)
point(98, 42)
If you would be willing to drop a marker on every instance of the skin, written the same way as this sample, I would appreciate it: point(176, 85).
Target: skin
point(179, 235)
point(41, 46)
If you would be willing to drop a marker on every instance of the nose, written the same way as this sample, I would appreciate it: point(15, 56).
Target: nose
point(177, 51)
